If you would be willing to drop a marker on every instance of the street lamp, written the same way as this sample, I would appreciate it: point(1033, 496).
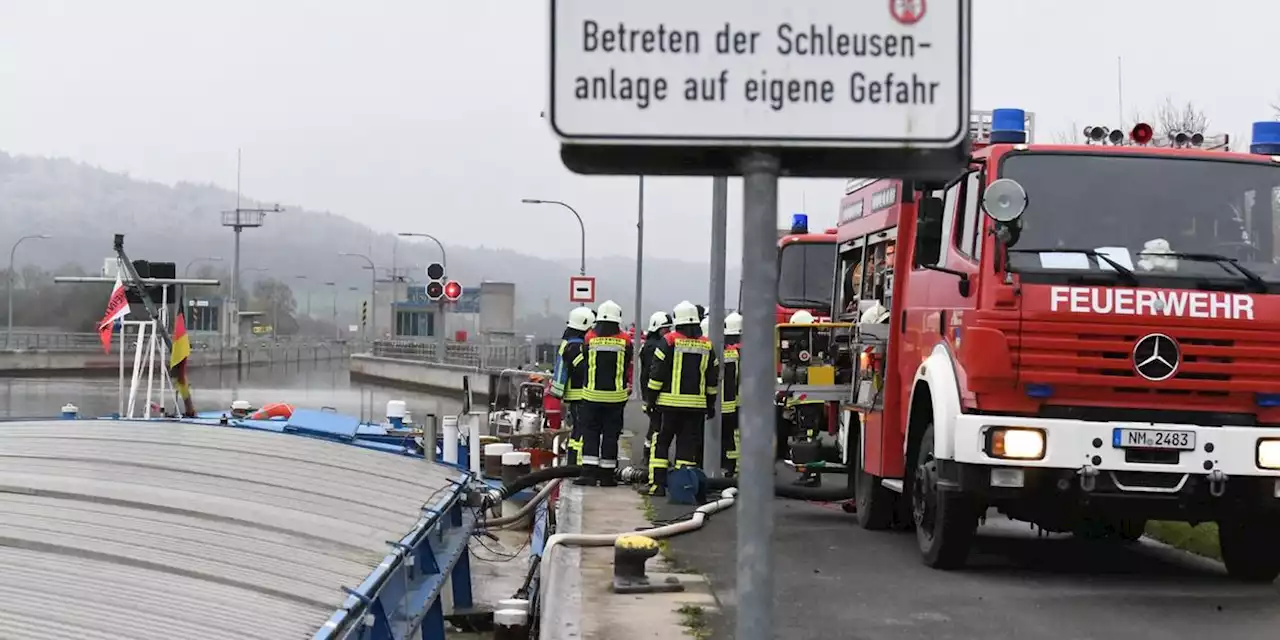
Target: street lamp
point(373, 287)
point(582, 263)
point(444, 260)
point(187, 272)
point(8, 335)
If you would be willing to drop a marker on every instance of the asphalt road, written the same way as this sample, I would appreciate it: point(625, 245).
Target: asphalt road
point(836, 580)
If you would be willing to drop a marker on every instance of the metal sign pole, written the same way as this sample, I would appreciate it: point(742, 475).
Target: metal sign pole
point(639, 310)
point(756, 412)
point(711, 444)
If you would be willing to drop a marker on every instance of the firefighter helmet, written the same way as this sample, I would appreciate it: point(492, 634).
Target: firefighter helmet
point(609, 311)
point(733, 324)
point(802, 317)
point(659, 320)
point(685, 313)
point(581, 318)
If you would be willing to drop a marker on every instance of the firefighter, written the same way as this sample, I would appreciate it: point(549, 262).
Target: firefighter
point(683, 387)
point(659, 325)
point(565, 383)
point(805, 415)
point(604, 366)
point(730, 439)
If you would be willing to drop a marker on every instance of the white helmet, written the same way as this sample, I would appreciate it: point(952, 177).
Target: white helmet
point(658, 320)
point(581, 318)
point(685, 313)
point(706, 327)
point(733, 324)
point(802, 317)
point(609, 311)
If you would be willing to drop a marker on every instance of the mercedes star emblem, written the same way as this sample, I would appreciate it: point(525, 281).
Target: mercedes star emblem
point(1156, 357)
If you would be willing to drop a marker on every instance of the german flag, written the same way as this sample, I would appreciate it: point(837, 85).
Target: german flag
point(178, 363)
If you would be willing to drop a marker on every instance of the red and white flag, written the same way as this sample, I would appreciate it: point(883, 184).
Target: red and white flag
point(117, 308)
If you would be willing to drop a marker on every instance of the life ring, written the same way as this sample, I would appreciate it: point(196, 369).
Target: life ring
point(272, 411)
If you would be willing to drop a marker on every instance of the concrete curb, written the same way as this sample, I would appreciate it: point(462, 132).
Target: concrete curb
point(562, 604)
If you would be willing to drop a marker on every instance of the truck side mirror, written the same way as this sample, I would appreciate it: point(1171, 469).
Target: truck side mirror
point(928, 249)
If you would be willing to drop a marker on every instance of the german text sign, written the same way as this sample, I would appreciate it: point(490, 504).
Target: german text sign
point(807, 73)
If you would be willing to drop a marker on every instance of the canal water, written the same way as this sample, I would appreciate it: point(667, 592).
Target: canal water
point(309, 385)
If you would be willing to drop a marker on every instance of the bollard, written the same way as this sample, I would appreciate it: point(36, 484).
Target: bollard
point(630, 553)
point(510, 624)
point(70, 411)
point(396, 411)
point(515, 464)
point(449, 440)
point(493, 458)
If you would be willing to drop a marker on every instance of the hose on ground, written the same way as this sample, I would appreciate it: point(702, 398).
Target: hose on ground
point(791, 491)
point(531, 479)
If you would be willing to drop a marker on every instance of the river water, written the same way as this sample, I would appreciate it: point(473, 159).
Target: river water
point(308, 385)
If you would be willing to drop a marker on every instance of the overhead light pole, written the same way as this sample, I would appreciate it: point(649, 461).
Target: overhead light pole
point(373, 287)
point(187, 271)
point(582, 228)
point(8, 335)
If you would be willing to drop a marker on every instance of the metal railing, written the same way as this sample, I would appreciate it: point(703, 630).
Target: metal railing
point(85, 342)
point(479, 356)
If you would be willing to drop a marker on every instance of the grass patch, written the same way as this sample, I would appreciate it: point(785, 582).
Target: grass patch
point(694, 620)
point(1201, 539)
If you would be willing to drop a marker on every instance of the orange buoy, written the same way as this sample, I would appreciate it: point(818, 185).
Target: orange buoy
point(273, 410)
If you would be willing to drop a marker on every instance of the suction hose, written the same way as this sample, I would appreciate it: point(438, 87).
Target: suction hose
point(782, 490)
point(531, 479)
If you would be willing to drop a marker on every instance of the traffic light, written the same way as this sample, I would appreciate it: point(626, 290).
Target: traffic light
point(452, 291)
point(436, 281)
point(364, 313)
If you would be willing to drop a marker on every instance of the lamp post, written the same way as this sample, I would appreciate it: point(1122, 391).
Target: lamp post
point(8, 335)
point(187, 271)
point(444, 259)
point(373, 288)
point(335, 307)
point(582, 261)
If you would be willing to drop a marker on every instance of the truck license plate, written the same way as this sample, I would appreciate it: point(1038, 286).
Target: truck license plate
point(1153, 439)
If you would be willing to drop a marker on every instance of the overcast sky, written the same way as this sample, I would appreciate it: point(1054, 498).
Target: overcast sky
point(422, 115)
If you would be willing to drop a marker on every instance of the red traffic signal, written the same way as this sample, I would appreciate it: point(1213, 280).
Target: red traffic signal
point(434, 291)
point(452, 291)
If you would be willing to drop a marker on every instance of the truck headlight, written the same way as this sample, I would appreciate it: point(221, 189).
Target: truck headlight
point(1021, 443)
point(1268, 453)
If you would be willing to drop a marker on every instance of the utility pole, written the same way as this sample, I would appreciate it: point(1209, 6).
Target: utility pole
point(639, 312)
point(239, 219)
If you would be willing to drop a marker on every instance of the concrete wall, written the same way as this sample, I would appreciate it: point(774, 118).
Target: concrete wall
point(445, 379)
point(497, 307)
point(17, 363)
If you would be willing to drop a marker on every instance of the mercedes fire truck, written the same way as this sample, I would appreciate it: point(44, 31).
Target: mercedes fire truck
point(1084, 337)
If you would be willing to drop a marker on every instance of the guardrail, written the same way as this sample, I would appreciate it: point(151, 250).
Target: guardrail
point(480, 356)
point(86, 342)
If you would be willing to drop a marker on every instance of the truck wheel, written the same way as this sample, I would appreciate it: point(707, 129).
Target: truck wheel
point(1249, 549)
point(875, 503)
point(946, 521)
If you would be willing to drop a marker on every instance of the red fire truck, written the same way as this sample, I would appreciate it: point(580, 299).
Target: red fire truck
point(805, 263)
point(1084, 337)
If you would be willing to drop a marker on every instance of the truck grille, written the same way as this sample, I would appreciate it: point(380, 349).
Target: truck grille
point(1080, 360)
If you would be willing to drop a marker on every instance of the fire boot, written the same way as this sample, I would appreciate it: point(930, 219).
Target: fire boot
point(608, 477)
point(589, 477)
point(658, 482)
point(809, 479)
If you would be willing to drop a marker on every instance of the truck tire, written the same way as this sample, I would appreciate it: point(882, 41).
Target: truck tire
point(1249, 548)
point(875, 503)
point(946, 521)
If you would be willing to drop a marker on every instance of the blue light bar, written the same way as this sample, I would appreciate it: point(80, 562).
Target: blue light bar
point(799, 223)
point(1266, 138)
point(1039, 391)
point(1008, 126)
point(1268, 399)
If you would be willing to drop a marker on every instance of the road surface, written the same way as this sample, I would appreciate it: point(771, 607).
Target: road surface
point(836, 580)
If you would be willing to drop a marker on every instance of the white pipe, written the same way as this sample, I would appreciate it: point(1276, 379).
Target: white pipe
point(449, 440)
point(137, 368)
point(473, 443)
point(151, 373)
point(700, 516)
point(525, 510)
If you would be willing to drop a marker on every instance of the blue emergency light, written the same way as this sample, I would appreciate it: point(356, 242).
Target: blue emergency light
point(1008, 126)
point(799, 223)
point(1266, 138)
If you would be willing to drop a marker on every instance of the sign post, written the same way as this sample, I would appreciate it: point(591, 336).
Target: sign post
point(813, 88)
point(582, 289)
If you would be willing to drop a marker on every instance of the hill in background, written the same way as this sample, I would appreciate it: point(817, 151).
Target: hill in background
point(83, 206)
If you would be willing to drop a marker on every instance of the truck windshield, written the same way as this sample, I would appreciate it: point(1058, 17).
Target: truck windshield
point(805, 273)
point(1132, 208)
